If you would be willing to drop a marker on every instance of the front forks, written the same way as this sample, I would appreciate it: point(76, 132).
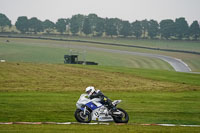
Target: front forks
point(84, 111)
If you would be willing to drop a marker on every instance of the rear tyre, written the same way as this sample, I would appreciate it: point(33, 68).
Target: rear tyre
point(123, 118)
point(80, 117)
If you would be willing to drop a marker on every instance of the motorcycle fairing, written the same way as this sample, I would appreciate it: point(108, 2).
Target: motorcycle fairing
point(91, 105)
point(99, 111)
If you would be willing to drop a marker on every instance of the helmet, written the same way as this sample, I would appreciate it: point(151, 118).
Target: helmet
point(89, 90)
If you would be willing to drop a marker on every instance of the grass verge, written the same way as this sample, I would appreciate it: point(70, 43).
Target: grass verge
point(94, 129)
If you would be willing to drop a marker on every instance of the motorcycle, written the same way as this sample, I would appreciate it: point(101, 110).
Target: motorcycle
point(92, 109)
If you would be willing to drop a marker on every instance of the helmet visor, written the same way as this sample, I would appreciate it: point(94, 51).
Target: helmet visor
point(88, 92)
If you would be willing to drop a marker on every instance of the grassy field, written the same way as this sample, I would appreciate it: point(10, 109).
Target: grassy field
point(163, 44)
point(45, 51)
point(44, 89)
point(60, 77)
point(48, 51)
point(48, 92)
point(192, 60)
point(94, 129)
point(151, 107)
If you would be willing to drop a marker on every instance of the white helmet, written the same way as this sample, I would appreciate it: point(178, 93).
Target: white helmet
point(89, 90)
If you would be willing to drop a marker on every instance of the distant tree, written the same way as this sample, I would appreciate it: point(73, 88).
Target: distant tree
point(67, 22)
point(126, 29)
point(137, 29)
point(61, 25)
point(181, 28)
point(86, 27)
point(144, 24)
point(22, 24)
point(118, 24)
point(74, 26)
point(100, 26)
point(153, 28)
point(35, 25)
point(48, 26)
point(4, 21)
point(194, 30)
point(93, 20)
point(110, 27)
point(167, 28)
point(76, 23)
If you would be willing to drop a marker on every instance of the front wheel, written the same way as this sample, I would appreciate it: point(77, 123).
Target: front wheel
point(80, 117)
point(122, 118)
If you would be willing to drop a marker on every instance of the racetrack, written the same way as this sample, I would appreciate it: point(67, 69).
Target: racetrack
point(177, 64)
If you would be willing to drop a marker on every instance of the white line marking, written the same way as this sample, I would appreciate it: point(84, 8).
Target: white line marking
point(97, 123)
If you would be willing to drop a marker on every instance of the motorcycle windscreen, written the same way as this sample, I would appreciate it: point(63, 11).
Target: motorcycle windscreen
point(91, 105)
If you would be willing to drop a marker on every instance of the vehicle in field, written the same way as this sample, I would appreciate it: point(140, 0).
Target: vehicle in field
point(73, 59)
point(91, 109)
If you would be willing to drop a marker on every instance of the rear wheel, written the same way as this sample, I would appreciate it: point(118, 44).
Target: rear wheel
point(80, 117)
point(122, 118)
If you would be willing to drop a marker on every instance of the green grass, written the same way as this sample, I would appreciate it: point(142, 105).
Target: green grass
point(35, 92)
point(48, 92)
point(95, 129)
point(14, 52)
point(47, 51)
point(150, 107)
point(32, 76)
point(160, 75)
point(164, 44)
point(25, 50)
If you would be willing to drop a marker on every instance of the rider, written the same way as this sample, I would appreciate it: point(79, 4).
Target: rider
point(92, 93)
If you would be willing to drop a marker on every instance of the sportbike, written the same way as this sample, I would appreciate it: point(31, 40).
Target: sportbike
point(92, 109)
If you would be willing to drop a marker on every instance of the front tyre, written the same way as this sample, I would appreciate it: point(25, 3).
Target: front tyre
point(122, 118)
point(80, 117)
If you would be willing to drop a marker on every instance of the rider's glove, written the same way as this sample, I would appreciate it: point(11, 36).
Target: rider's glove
point(105, 99)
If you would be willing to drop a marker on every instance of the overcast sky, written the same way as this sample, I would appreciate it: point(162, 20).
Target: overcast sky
point(124, 9)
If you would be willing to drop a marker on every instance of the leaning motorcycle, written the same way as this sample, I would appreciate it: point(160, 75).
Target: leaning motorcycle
point(91, 109)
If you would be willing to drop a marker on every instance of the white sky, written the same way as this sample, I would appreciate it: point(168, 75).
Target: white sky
point(124, 9)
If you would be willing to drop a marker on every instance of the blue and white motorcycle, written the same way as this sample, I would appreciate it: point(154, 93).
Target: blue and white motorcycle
point(91, 109)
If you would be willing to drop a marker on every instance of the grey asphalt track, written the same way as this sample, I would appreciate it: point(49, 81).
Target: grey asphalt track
point(177, 64)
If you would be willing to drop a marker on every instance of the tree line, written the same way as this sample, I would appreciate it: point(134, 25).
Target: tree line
point(92, 25)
